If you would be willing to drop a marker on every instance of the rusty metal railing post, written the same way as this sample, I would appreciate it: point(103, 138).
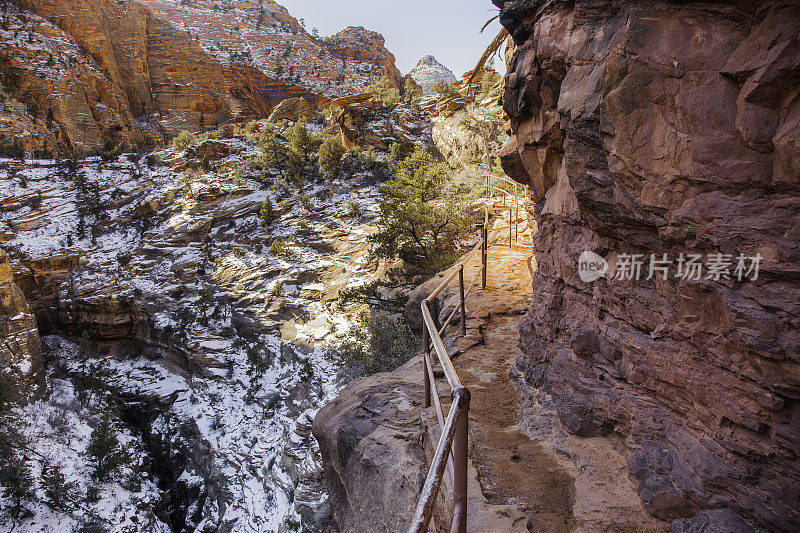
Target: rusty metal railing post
point(484, 254)
point(510, 225)
point(516, 214)
point(460, 449)
point(463, 306)
point(426, 342)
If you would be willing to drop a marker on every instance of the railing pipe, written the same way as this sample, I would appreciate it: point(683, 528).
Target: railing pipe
point(427, 344)
point(441, 351)
point(422, 515)
point(484, 254)
point(516, 213)
point(455, 429)
point(510, 227)
point(461, 396)
point(461, 299)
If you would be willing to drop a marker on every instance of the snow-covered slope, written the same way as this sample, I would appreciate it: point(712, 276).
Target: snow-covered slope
point(211, 338)
point(428, 72)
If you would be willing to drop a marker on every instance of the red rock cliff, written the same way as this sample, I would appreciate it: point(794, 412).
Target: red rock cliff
point(264, 35)
point(667, 128)
point(112, 71)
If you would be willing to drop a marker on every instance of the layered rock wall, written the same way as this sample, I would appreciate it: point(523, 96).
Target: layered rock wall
point(21, 349)
point(265, 36)
point(667, 128)
point(94, 71)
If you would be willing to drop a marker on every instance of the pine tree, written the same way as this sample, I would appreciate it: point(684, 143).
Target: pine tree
point(104, 449)
point(59, 492)
point(17, 482)
point(330, 156)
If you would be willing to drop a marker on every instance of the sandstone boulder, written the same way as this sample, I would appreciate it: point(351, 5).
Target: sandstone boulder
point(292, 109)
point(370, 440)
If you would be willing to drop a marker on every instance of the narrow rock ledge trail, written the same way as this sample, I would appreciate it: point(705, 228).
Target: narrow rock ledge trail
point(534, 477)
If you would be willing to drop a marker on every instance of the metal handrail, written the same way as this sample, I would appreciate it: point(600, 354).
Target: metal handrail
point(506, 194)
point(451, 450)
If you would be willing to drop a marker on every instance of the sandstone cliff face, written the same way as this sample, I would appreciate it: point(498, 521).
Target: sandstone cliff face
point(263, 35)
point(652, 127)
point(54, 95)
point(472, 135)
point(94, 71)
point(21, 349)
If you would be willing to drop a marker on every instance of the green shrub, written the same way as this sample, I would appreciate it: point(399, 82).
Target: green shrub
point(305, 201)
point(353, 211)
point(445, 89)
point(330, 156)
point(385, 91)
point(280, 247)
point(14, 151)
point(490, 80)
point(267, 213)
point(111, 150)
point(412, 91)
point(277, 289)
point(302, 141)
point(374, 293)
point(281, 188)
point(184, 140)
point(16, 478)
point(376, 342)
point(257, 363)
point(422, 214)
point(399, 151)
point(274, 153)
point(146, 215)
point(123, 259)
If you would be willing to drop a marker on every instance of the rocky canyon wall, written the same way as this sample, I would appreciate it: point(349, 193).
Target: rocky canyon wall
point(264, 35)
point(667, 128)
point(21, 349)
point(83, 73)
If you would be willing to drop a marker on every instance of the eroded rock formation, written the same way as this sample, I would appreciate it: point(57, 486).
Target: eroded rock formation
point(655, 127)
point(428, 72)
point(265, 36)
point(80, 74)
point(21, 350)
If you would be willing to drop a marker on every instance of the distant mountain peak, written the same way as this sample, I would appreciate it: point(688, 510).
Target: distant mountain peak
point(429, 71)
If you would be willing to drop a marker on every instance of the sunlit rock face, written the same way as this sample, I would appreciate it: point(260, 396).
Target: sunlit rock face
point(666, 128)
point(428, 72)
point(265, 36)
point(77, 75)
point(21, 349)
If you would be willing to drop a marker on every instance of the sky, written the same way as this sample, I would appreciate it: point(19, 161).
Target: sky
point(446, 29)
